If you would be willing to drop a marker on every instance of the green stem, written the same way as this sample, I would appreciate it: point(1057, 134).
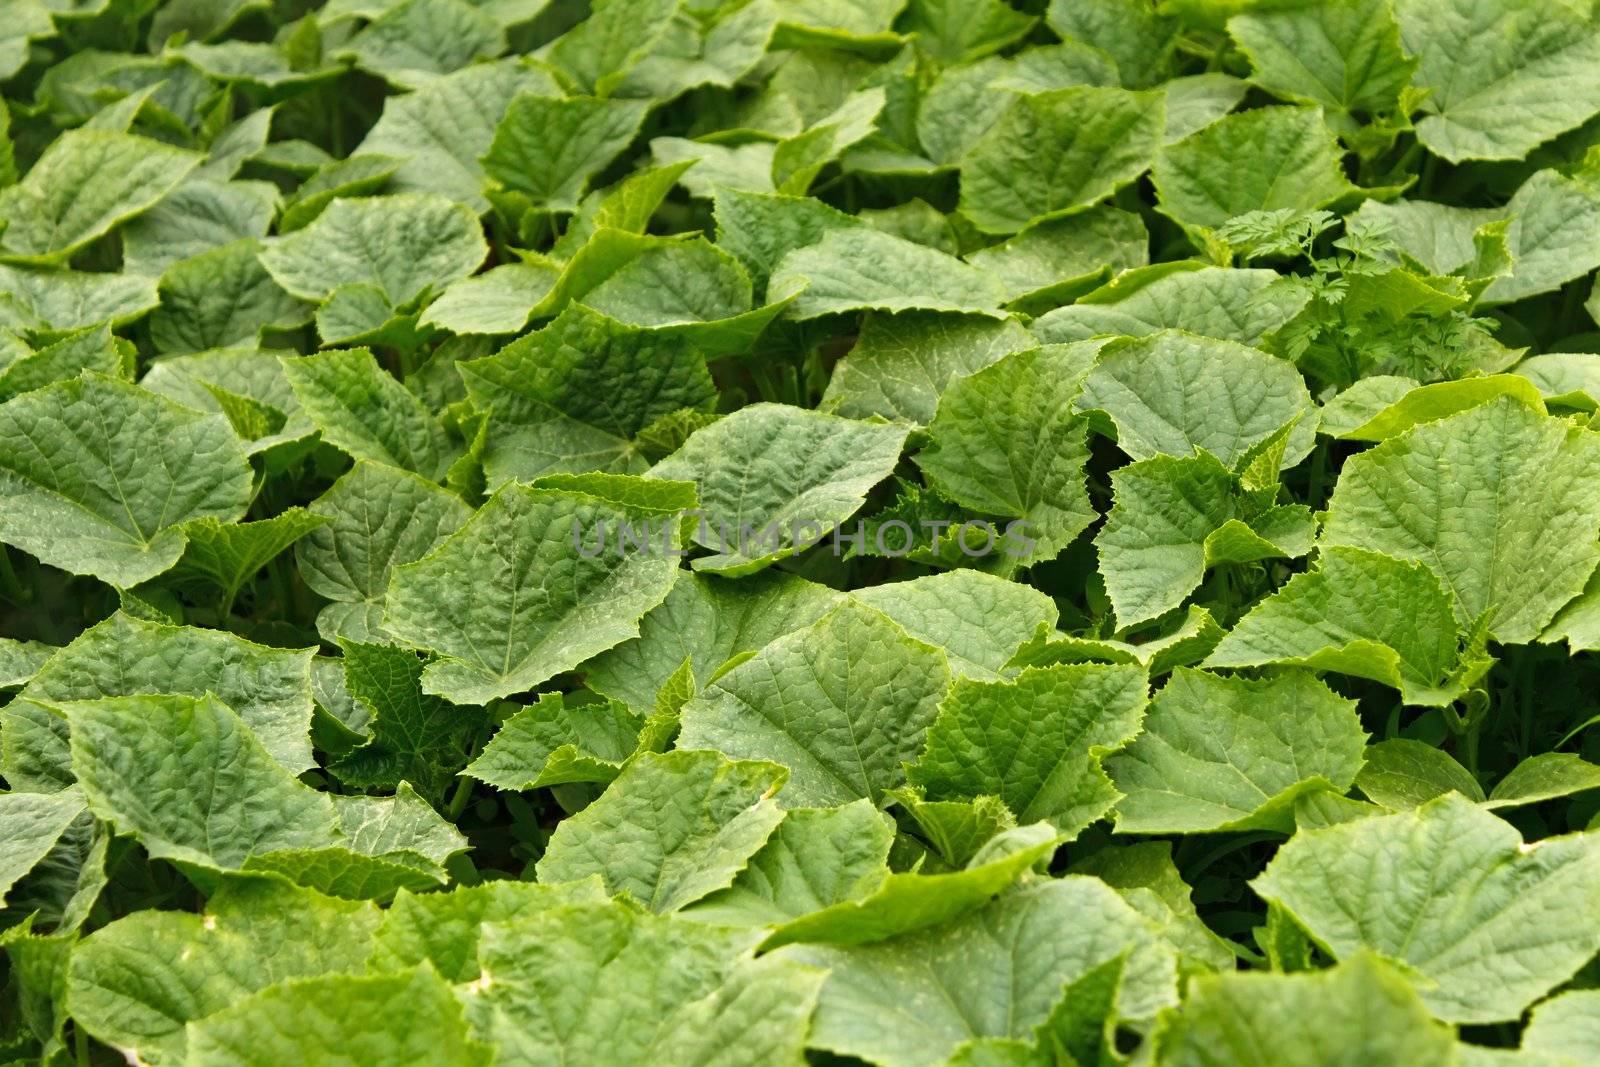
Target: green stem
point(80, 1045)
point(459, 798)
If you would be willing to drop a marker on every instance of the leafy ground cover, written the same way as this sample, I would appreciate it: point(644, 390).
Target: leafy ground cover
point(800, 531)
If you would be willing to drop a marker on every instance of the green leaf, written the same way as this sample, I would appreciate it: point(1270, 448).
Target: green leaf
point(1140, 40)
point(195, 218)
point(1516, 480)
point(908, 901)
point(1006, 442)
point(815, 859)
point(951, 32)
point(1402, 774)
point(816, 471)
point(130, 991)
point(1488, 923)
point(554, 742)
point(1263, 160)
point(1054, 261)
point(75, 300)
point(445, 929)
point(1144, 875)
point(378, 518)
point(1555, 221)
point(221, 299)
point(573, 396)
point(1501, 78)
point(1176, 394)
point(1564, 1025)
point(441, 130)
point(34, 823)
point(1186, 644)
point(1055, 151)
point(1234, 305)
point(359, 175)
point(482, 602)
point(1360, 1011)
point(499, 300)
point(842, 704)
point(416, 41)
point(323, 1019)
point(1195, 102)
point(860, 269)
point(1427, 403)
point(362, 410)
point(123, 656)
point(1344, 55)
point(671, 829)
point(95, 349)
point(84, 184)
point(610, 983)
point(89, 467)
point(996, 972)
point(760, 228)
point(1365, 614)
point(229, 555)
point(1228, 754)
point(404, 245)
point(1544, 777)
point(190, 780)
point(599, 51)
point(1172, 519)
point(979, 620)
point(707, 621)
point(548, 148)
point(412, 737)
point(900, 364)
point(1036, 741)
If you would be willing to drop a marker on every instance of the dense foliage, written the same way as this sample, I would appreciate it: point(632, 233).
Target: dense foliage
point(779, 531)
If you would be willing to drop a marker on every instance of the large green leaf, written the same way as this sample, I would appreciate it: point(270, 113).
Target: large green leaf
point(379, 517)
point(1036, 742)
point(131, 992)
point(1486, 922)
point(861, 269)
point(442, 129)
point(1172, 519)
point(774, 479)
point(574, 396)
point(1233, 753)
point(607, 983)
point(671, 829)
point(403, 245)
point(1175, 394)
point(99, 477)
point(483, 603)
point(843, 704)
point(914, 999)
point(1361, 1011)
point(1498, 475)
point(1360, 613)
point(363, 410)
point(1235, 305)
point(1006, 442)
point(1052, 152)
point(1502, 75)
point(324, 1019)
point(707, 621)
point(901, 364)
point(1263, 160)
point(86, 182)
point(1344, 55)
